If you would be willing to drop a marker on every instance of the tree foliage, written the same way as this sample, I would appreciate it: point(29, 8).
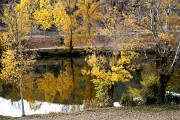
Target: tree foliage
point(89, 10)
point(14, 62)
point(44, 16)
point(65, 20)
point(106, 73)
point(156, 17)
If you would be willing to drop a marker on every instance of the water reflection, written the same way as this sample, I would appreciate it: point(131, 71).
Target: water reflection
point(64, 83)
point(55, 81)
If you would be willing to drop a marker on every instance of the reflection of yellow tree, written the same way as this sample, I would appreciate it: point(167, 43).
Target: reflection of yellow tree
point(47, 84)
point(70, 87)
point(50, 85)
point(79, 79)
point(29, 90)
point(67, 84)
point(14, 94)
point(31, 94)
point(64, 84)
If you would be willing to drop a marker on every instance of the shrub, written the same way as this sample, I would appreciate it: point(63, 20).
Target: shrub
point(126, 100)
point(150, 86)
point(149, 100)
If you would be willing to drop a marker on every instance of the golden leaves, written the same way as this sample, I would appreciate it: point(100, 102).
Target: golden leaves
point(10, 71)
point(44, 17)
point(61, 18)
point(166, 3)
point(166, 36)
point(88, 9)
point(18, 23)
point(66, 23)
point(106, 71)
point(116, 72)
point(14, 63)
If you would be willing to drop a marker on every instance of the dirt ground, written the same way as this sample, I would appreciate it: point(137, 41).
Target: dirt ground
point(113, 114)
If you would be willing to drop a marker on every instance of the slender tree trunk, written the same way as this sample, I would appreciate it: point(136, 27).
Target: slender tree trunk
point(20, 77)
point(158, 15)
point(22, 101)
point(19, 51)
point(167, 17)
point(110, 95)
point(71, 42)
point(152, 21)
point(176, 58)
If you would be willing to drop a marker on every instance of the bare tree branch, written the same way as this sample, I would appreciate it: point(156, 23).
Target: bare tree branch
point(176, 58)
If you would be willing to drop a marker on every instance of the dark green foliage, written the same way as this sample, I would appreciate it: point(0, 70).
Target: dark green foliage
point(150, 100)
point(150, 85)
point(126, 100)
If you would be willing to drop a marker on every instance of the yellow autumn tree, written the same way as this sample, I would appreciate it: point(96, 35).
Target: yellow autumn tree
point(90, 12)
point(44, 16)
point(107, 72)
point(30, 6)
point(65, 19)
point(14, 62)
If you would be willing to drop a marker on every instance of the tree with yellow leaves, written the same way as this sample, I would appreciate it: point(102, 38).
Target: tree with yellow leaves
point(30, 6)
point(90, 12)
point(14, 62)
point(65, 19)
point(157, 17)
point(106, 73)
point(44, 16)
